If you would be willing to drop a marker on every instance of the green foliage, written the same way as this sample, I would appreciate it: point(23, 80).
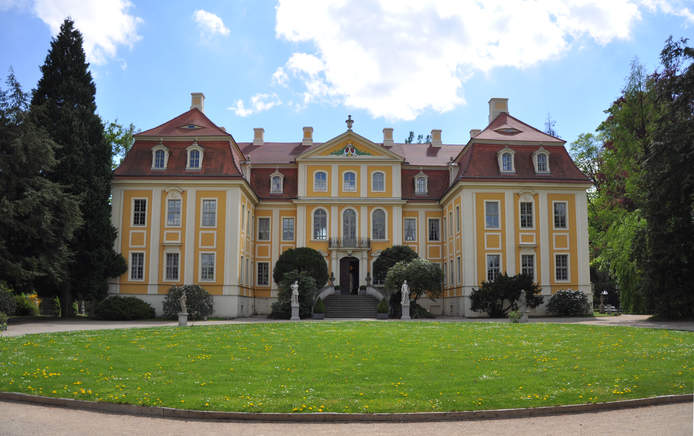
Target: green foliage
point(302, 259)
point(418, 312)
point(514, 316)
point(389, 257)
point(319, 307)
point(382, 306)
point(421, 275)
point(501, 295)
point(3, 321)
point(116, 308)
point(7, 302)
point(199, 302)
point(282, 308)
point(567, 302)
point(120, 139)
point(420, 138)
point(25, 307)
point(50, 307)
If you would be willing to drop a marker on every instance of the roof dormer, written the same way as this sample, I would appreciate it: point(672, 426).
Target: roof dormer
point(506, 160)
point(160, 157)
point(195, 155)
point(541, 161)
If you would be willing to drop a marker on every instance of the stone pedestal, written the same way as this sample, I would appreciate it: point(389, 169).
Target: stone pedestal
point(295, 313)
point(182, 319)
point(405, 312)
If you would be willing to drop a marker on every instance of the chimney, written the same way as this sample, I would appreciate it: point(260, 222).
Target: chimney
point(436, 138)
point(388, 136)
point(474, 132)
point(497, 106)
point(308, 136)
point(197, 100)
point(258, 136)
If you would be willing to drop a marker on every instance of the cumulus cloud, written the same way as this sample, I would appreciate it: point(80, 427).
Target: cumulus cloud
point(397, 58)
point(257, 103)
point(209, 23)
point(105, 24)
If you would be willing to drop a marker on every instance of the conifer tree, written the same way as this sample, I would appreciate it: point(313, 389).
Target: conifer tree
point(64, 104)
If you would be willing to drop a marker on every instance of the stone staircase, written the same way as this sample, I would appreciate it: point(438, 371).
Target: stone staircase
point(350, 306)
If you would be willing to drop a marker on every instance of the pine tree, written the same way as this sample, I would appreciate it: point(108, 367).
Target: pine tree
point(37, 216)
point(64, 104)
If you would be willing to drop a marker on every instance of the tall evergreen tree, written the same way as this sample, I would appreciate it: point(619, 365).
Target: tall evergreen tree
point(37, 216)
point(64, 104)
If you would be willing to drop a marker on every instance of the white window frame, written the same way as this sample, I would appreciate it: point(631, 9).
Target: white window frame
point(532, 215)
point(168, 211)
point(317, 188)
point(421, 176)
point(500, 158)
point(404, 229)
point(202, 213)
point(273, 176)
point(385, 224)
point(214, 266)
point(345, 187)
point(356, 223)
point(267, 274)
point(486, 265)
point(457, 219)
point(566, 216)
point(289, 218)
point(450, 223)
point(498, 214)
point(459, 270)
point(429, 220)
point(132, 208)
point(568, 268)
point(522, 267)
point(313, 224)
point(130, 266)
point(269, 228)
point(166, 266)
point(443, 228)
point(194, 146)
point(373, 181)
point(242, 268)
point(155, 149)
point(536, 153)
point(450, 266)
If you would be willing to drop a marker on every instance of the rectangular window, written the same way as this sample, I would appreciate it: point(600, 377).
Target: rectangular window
point(457, 219)
point(450, 223)
point(528, 265)
point(349, 182)
point(320, 181)
point(493, 266)
point(243, 215)
point(249, 219)
point(560, 215)
point(421, 185)
point(459, 270)
point(171, 273)
point(287, 229)
point(249, 279)
point(378, 182)
point(443, 229)
point(450, 265)
point(173, 213)
point(434, 226)
point(139, 212)
point(263, 273)
point(526, 215)
point(410, 229)
point(263, 229)
point(137, 266)
point(241, 281)
point(207, 266)
point(444, 273)
point(491, 213)
point(209, 213)
point(561, 264)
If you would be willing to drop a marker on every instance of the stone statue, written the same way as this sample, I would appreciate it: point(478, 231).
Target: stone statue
point(295, 293)
point(182, 301)
point(522, 301)
point(405, 290)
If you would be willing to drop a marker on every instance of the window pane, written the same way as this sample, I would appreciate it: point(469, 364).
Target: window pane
point(560, 215)
point(493, 266)
point(421, 185)
point(139, 212)
point(207, 266)
point(320, 182)
point(349, 225)
point(320, 224)
point(541, 163)
point(137, 266)
point(528, 265)
point(378, 226)
point(263, 273)
point(457, 218)
point(173, 215)
point(194, 159)
point(434, 230)
point(526, 215)
point(378, 182)
point(276, 185)
point(507, 162)
point(459, 270)
point(492, 214)
point(209, 213)
point(562, 267)
point(263, 229)
point(349, 182)
point(287, 229)
point(171, 266)
point(410, 229)
point(159, 159)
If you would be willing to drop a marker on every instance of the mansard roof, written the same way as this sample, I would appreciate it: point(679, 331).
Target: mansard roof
point(193, 123)
point(508, 128)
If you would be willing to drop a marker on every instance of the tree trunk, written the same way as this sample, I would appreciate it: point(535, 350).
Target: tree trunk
point(66, 302)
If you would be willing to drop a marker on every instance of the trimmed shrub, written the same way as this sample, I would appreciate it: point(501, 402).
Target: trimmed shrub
point(7, 300)
point(389, 257)
point(382, 306)
point(568, 302)
point(3, 322)
point(199, 302)
point(302, 259)
point(319, 307)
point(117, 308)
point(25, 306)
point(282, 308)
point(498, 297)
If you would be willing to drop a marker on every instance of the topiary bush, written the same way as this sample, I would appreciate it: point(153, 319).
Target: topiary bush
point(7, 300)
point(25, 306)
point(302, 259)
point(568, 302)
point(199, 302)
point(118, 308)
point(282, 309)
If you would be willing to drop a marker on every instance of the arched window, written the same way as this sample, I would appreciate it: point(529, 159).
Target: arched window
point(507, 162)
point(276, 182)
point(541, 160)
point(378, 224)
point(160, 156)
point(320, 181)
point(378, 182)
point(194, 159)
point(349, 225)
point(420, 183)
point(349, 182)
point(159, 159)
point(320, 224)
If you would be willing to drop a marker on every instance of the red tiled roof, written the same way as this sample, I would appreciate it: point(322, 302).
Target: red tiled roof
point(217, 160)
point(274, 152)
point(179, 126)
point(260, 182)
point(437, 184)
point(425, 154)
point(507, 128)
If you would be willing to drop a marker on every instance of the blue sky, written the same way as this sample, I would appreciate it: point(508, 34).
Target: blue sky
point(408, 64)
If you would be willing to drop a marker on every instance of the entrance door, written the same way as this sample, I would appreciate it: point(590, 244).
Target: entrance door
point(349, 275)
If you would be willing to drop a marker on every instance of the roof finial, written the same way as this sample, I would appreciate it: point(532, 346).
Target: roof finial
point(349, 122)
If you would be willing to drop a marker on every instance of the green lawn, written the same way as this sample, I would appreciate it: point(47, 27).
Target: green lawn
point(352, 366)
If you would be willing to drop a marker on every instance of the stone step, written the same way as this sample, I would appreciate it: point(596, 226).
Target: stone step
point(350, 306)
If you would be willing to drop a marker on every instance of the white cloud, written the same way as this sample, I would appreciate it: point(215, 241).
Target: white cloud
point(209, 23)
point(397, 58)
point(258, 103)
point(671, 7)
point(105, 24)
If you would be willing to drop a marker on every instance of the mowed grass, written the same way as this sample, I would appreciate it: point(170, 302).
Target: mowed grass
point(352, 366)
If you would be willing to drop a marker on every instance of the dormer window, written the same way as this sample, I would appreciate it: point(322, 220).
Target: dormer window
point(276, 182)
point(506, 161)
point(195, 156)
point(541, 161)
point(160, 157)
point(421, 182)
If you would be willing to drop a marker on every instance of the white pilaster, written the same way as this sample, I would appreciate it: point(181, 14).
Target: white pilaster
point(301, 191)
point(363, 260)
point(582, 249)
point(544, 243)
point(422, 228)
point(468, 241)
point(189, 248)
point(275, 235)
point(334, 180)
point(397, 184)
point(231, 225)
point(155, 227)
point(363, 184)
point(117, 216)
point(510, 227)
point(397, 225)
point(301, 226)
point(334, 221)
point(363, 225)
point(233, 239)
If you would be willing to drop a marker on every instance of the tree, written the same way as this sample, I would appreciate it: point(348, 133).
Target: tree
point(420, 138)
point(421, 275)
point(668, 243)
point(389, 257)
point(501, 295)
point(64, 104)
point(302, 259)
point(120, 140)
point(37, 217)
point(307, 291)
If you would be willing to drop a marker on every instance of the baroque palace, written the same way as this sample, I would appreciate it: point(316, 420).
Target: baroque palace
point(193, 206)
